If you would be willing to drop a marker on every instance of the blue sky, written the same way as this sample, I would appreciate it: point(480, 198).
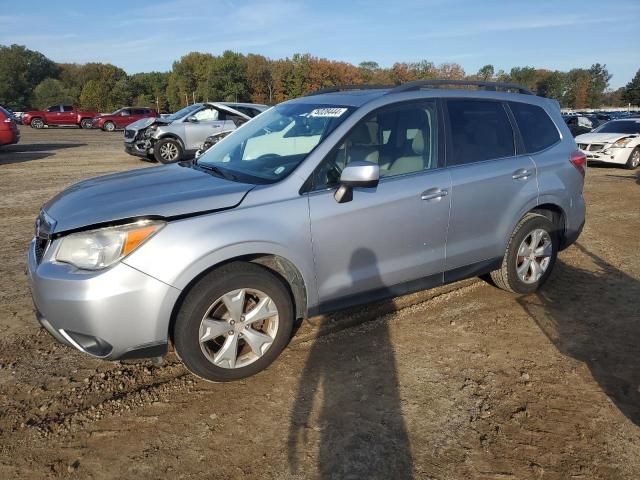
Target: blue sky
point(141, 35)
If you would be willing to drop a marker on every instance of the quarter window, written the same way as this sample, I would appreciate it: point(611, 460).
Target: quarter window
point(480, 130)
point(537, 129)
point(401, 139)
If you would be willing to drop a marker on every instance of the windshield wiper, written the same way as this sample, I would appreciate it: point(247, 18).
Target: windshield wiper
point(218, 171)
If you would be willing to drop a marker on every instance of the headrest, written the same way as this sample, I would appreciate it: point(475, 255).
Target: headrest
point(417, 144)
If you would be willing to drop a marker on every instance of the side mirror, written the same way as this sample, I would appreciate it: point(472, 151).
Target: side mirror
point(358, 173)
point(192, 119)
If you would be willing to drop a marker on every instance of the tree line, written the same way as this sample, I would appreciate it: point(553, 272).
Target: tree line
point(28, 79)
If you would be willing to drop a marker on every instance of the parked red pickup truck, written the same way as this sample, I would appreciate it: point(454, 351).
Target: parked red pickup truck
point(9, 133)
point(59, 115)
point(123, 117)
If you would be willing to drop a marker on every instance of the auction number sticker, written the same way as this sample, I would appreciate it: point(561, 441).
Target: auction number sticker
point(327, 112)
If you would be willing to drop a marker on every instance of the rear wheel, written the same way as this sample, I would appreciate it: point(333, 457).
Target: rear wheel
point(234, 322)
point(530, 256)
point(109, 126)
point(86, 123)
point(634, 159)
point(167, 150)
point(37, 123)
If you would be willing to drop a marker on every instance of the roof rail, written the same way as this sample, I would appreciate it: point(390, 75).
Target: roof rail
point(338, 88)
point(492, 86)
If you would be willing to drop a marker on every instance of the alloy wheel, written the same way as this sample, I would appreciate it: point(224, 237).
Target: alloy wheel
point(635, 158)
point(169, 152)
point(534, 256)
point(238, 328)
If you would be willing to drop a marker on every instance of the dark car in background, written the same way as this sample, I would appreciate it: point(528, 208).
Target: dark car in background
point(9, 133)
point(122, 117)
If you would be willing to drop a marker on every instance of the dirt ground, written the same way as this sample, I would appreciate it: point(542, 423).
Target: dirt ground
point(465, 381)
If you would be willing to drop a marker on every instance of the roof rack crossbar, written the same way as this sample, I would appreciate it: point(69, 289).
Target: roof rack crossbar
point(491, 86)
point(338, 88)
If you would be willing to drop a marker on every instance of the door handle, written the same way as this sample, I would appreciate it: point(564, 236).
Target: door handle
point(434, 194)
point(521, 174)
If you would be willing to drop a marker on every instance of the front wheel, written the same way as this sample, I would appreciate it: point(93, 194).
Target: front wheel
point(86, 123)
point(109, 126)
point(634, 159)
point(530, 256)
point(37, 123)
point(167, 150)
point(234, 322)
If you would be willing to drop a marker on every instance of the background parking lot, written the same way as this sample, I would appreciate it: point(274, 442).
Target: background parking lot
point(465, 381)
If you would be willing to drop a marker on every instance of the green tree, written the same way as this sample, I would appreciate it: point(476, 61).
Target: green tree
point(94, 96)
point(599, 82)
point(21, 70)
point(632, 90)
point(227, 78)
point(486, 73)
point(51, 91)
point(553, 85)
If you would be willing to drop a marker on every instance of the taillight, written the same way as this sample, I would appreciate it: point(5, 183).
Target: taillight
point(579, 160)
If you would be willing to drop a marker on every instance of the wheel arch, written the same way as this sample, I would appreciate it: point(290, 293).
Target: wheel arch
point(556, 214)
point(172, 136)
point(280, 266)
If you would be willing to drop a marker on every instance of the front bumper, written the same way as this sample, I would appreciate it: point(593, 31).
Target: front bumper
point(618, 155)
point(116, 313)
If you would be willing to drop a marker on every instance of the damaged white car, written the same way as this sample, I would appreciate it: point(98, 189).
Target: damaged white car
point(617, 141)
point(178, 136)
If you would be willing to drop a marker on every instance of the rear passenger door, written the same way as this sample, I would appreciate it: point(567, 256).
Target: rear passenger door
point(492, 180)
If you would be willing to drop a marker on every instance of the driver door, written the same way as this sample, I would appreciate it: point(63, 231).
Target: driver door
point(387, 240)
point(200, 125)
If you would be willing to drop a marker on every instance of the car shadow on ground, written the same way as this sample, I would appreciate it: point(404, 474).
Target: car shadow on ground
point(348, 404)
point(20, 153)
point(594, 317)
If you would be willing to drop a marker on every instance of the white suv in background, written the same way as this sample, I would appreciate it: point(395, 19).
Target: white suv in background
point(617, 141)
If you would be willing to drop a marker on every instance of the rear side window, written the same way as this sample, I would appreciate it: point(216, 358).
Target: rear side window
point(68, 108)
point(480, 130)
point(537, 129)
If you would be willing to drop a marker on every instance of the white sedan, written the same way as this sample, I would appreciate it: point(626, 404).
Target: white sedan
point(617, 141)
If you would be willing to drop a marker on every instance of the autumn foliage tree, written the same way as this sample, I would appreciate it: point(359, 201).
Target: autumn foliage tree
point(29, 79)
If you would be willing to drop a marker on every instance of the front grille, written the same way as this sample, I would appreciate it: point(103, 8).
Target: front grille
point(41, 245)
point(129, 133)
point(44, 228)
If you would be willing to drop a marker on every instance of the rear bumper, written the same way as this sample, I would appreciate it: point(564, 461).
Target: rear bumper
point(9, 137)
point(112, 314)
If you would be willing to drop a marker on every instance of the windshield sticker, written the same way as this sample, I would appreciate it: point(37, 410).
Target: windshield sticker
point(327, 112)
point(279, 170)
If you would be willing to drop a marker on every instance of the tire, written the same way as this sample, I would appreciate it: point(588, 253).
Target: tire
point(203, 304)
point(634, 159)
point(109, 126)
point(86, 123)
point(507, 277)
point(167, 150)
point(37, 122)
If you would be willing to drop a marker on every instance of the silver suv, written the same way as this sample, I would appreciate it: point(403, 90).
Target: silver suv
point(178, 136)
point(320, 203)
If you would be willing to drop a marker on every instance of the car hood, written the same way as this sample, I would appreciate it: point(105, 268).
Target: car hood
point(165, 191)
point(601, 137)
point(147, 122)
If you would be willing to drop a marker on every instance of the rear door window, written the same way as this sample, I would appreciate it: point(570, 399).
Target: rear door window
point(479, 130)
point(68, 108)
point(537, 129)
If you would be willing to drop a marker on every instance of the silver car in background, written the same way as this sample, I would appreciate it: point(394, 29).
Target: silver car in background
point(320, 203)
point(178, 136)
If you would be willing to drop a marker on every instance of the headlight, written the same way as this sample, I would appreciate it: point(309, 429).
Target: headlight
point(98, 249)
point(622, 142)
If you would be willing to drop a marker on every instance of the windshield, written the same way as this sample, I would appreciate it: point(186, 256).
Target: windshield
point(182, 113)
point(620, 126)
point(273, 144)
